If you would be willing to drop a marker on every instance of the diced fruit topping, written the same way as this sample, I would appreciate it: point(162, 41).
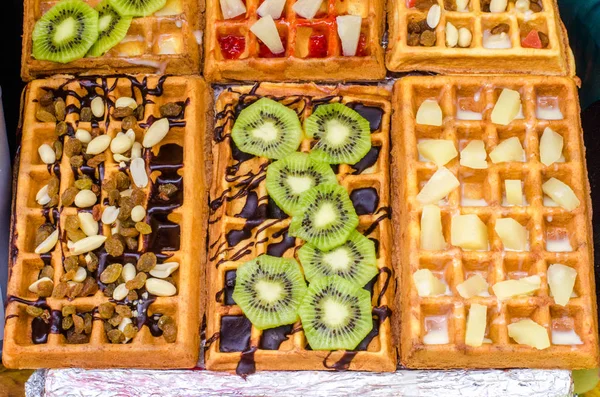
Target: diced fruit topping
point(432, 238)
point(514, 236)
point(551, 147)
point(317, 46)
point(232, 46)
point(430, 113)
point(507, 107)
point(474, 155)
point(232, 8)
point(508, 150)
point(476, 323)
point(428, 284)
point(514, 191)
point(532, 40)
point(469, 232)
point(510, 288)
point(561, 193)
point(472, 286)
point(433, 16)
point(451, 35)
point(440, 151)
point(561, 280)
point(528, 332)
point(274, 8)
point(307, 8)
point(498, 5)
point(266, 30)
point(439, 186)
point(348, 27)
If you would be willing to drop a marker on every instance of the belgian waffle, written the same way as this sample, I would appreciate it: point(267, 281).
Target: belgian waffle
point(34, 342)
point(243, 224)
point(556, 59)
point(169, 43)
point(296, 63)
point(544, 223)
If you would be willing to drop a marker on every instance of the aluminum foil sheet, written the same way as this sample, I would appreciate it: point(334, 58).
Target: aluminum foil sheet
point(403, 383)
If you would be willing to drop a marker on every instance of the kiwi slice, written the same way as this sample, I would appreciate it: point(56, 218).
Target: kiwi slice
point(325, 217)
point(343, 136)
point(267, 129)
point(354, 260)
point(269, 290)
point(66, 32)
point(289, 178)
point(112, 28)
point(137, 8)
point(335, 314)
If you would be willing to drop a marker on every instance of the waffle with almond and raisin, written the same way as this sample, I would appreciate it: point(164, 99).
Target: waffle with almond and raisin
point(415, 45)
point(71, 304)
point(169, 41)
point(244, 223)
point(555, 234)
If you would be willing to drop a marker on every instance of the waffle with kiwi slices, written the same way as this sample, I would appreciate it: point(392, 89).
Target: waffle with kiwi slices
point(92, 37)
point(493, 201)
point(478, 36)
point(308, 40)
point(299, 232)
point(105, 258)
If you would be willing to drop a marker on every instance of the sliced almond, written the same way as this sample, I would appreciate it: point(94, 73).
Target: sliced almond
point(87, 244)
point(433, 16)
point(129, 271)
point(124, 102)
point(136, 150)
point(49, 243)
point(164, 270)
point(85, 199)
point(465, 37)
point(34, 286)
point(80, 275)
point(156, 133)
point(138, 213)
point(42, 197)
point(119, 158)
point(97, 106)
point(138, 172)
point(120, 292)
point(158, 287)
point(47, 154)
point(451, 35)
point(88, 224)
point(120, 144)
point(110, 214)
point(98, 145)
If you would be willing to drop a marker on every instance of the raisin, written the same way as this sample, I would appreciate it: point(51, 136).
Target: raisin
point(67, 322)
point(58, 149)
point(170, 333)
point(47, 98)
point(115, 320)
point(91, 261)
point(535, 7)
point(97, 212)
point(61, 128)
point(427, 38)
point(83, 184)
point(45, 289)
point(109, 289)
point(72, 147)
point(67, 310)
point(109, 184)
point(500, 28)
point(424, 26)
point(115, 336)
point(139, 112)
point(45, 116)
point(167, 190)
point(138, 196)
point(68, 276)
point(122, 180)
point(123, 311)
point(137, 282)
point(75, 235)
point(130, 331)
point(72, 222)
point(78, 322)
point(87, 323)
point(113, 197)
point(68, 196)
point(132, 243)
point(424, 4)
point(450, 5)
point(76, 339)
point(164, 321)
point(414, 27)
point(128, 123)
point(60, 291)
point(143, 228)
point(96, 160)
point(122, 112)
point(114, 245)
point(75, 290)
point(129, 232)
point(106, 310)
point(34, 311)
point(43, 232)
point(90, 286)
point(111, 273)
point(47, 271)
point(146, 262)
point(170, 109)
point(132, 296)
point(60, 109)
point(53, 201)
point(86, 114)
point(71, 263)
point(485, 5)
point(544, 39)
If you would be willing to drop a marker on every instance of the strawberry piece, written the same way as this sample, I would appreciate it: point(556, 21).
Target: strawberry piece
point(410, 3)
point(317, 46)
point(232, 46)
point(532, 40)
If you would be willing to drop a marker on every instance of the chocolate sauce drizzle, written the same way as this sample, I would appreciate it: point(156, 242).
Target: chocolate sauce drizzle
point(40, 328)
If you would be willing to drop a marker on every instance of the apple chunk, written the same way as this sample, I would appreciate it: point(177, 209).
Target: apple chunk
point(551, 147)
point(232, 8)
point(472, 286)
point(476, 323)
point(432, 238)
point(266, 30)
point(474, 155)
point(507, 107)
point(514, 236)
point(427, 284)
point(440, 151)
point(439, 186)
point(348, 28)
point(514, 191)
point(561, 280)
point(307, 8)
point(561, 193)
point(274, 8)
point(508, 150)
point(510, 288)
point(430, 113)
point(469, 232)
point(528, 332)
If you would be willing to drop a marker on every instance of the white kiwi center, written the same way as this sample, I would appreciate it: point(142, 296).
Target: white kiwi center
point(325, 215)
point(268, 290)
point(299, 184)
point(65, 30)
point(337, 133)
point(335, 313)
point(266, 132)
point(338, 259)
point(104, 22)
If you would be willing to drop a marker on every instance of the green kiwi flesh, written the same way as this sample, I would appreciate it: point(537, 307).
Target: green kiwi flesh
point(290, 177)
point(267, 129)
point(269, 290)
point(335, 314)
point(343, 136)
point(112, 28)
point(325, 217)
point(355, 260)
point(137, 8)
point(66, 32)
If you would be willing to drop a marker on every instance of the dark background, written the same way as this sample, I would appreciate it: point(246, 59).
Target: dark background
point(584, 42)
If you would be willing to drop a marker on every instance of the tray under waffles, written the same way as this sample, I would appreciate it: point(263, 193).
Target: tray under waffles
point(251, 62)
point(555, 235)
point(243, 224)
point(41, 325)
point(170, 41)
point(473, 56)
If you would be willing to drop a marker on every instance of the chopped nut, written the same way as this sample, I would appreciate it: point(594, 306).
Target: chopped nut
point(61, 128)
point(60, 109)
point(114, 245)
point(45, 116)
point(34, 311)
point(85, 199)
point(170, 109)
point(97, 106)
point(111, 273)
point(86, 114)
point(146, 262)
